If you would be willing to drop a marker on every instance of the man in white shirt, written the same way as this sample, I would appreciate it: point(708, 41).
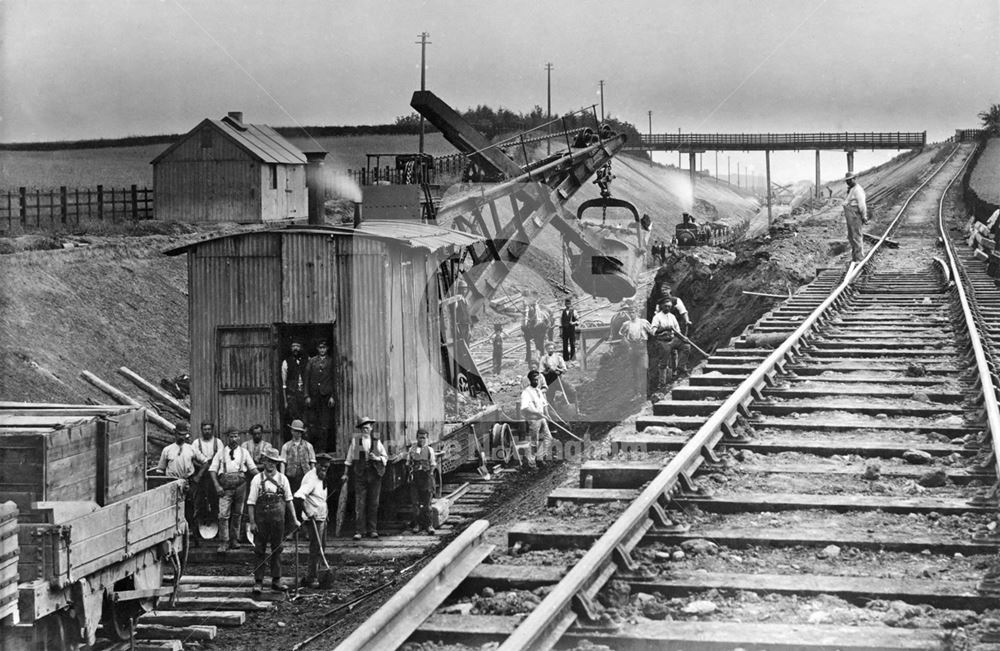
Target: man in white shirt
point(229, 471)
point(206, 499)
point(553, 369)
point(269, 503)
point(313, 494)
point(635, 332)
point(368, 458)
point(178, 460)
point(665, 330)
point(856, 215)
point(533, 404)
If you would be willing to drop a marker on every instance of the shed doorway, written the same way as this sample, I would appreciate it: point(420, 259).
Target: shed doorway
point(292, 392)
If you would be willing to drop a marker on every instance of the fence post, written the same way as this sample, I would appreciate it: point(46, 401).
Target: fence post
point(22, 193)
point(100, 202)
point(62, 203)
point(135, 204)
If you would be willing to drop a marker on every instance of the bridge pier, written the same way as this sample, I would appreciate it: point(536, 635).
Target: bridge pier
point(692, 164)
point(850, 160)
point(816, 187)
point(767, 167)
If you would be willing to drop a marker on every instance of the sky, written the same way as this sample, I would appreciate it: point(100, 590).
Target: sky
point(74, 69)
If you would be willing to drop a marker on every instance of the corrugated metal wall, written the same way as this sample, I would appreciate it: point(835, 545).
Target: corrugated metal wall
point(234, 281)
point(378, 296)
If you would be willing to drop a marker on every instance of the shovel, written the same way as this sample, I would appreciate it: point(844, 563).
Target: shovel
point(483, 471)
point(341, 505)
point(326, 576)
point(295, 590)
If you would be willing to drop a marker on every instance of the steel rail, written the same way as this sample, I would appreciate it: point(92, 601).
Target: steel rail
point(391, 624)
point(982, 365)
point(543, 627)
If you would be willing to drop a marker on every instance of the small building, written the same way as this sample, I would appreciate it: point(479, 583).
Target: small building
point(230, 171)
point(374, 291)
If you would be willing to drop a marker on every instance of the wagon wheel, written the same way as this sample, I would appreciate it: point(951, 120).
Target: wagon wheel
point(57, 632)
point(116, 618)
point(504, 440)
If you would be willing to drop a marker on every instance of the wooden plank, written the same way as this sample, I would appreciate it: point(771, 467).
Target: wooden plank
point(511, 577)
point(704, 636)
point(609, 474)
point(756, 503)
point(154, 390)
point(245, 592)
point(145, 631)
point(189, 601)
point(203, 617)
point(658, 443)
point(590, 495)
point(855, 589)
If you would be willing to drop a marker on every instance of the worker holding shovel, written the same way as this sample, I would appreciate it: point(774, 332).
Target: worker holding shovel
point(312, 492)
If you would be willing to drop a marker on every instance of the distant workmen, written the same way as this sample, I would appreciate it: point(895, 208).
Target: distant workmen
point(206, 499)
point(269, 503)
point(856, 216)
point(320, 400)
point(682, 347)
point(421, 463)
point(635, 332)
point(534, 326)
point(299, 455)
point(497, 348)
point(293, 383)
point(533, 411)
point(312, 493)
point(177, 460)
point(568, 323)
point(229, 470)
point(367, 458)
point(256, 446)
point(665, 331)
point(553, 368)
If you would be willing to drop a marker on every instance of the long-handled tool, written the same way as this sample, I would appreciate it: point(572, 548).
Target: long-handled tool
point(692, 344)
point(326, 576)
point(341, 504)
point(295, 590)
point(483, 471)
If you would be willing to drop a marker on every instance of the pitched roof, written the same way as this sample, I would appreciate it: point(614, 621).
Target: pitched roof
point(259, 140)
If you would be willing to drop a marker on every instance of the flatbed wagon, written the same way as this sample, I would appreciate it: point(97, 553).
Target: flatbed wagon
point(89, 553)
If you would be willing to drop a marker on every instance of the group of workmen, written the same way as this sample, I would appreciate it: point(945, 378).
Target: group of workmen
point(283, 491)
point(668, 329)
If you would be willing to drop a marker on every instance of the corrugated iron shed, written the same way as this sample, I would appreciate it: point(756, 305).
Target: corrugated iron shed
point(413, 235)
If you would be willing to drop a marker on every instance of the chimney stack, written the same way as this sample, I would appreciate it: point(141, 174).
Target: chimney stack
point(357, 214)
point(314, 186)
point(236, 116)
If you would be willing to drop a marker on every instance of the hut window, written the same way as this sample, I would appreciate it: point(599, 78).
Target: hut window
point(274, 176)
point(206, 138)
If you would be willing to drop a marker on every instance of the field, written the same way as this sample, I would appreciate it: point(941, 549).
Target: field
point(121, 167)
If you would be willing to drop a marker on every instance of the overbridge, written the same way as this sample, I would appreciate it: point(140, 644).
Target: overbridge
point(847, 141)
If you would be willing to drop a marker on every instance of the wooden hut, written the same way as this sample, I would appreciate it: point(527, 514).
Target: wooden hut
point(374, 291)
point(229, 171)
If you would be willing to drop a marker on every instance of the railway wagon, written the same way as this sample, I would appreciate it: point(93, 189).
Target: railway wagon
point(82, 542)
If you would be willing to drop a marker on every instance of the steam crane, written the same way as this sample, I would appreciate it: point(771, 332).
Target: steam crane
point(602, 265)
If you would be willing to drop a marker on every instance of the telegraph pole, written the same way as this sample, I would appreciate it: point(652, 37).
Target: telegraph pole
point(650, 138)
point(678, 148)
point(602, 101)
point(423, 43)
point(548, 112)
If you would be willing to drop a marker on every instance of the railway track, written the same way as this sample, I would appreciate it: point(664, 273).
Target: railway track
point(834, 491)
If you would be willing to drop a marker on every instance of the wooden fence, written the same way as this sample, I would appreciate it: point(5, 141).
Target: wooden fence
point(54, 209)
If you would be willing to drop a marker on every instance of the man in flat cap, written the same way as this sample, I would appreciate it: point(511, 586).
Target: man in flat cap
point(320, 401)
point(367, 457)
point(856, 215)
point(299, 455)
point(269, 502)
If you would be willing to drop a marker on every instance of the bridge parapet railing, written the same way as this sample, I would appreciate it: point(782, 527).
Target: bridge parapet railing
point(845, 139)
